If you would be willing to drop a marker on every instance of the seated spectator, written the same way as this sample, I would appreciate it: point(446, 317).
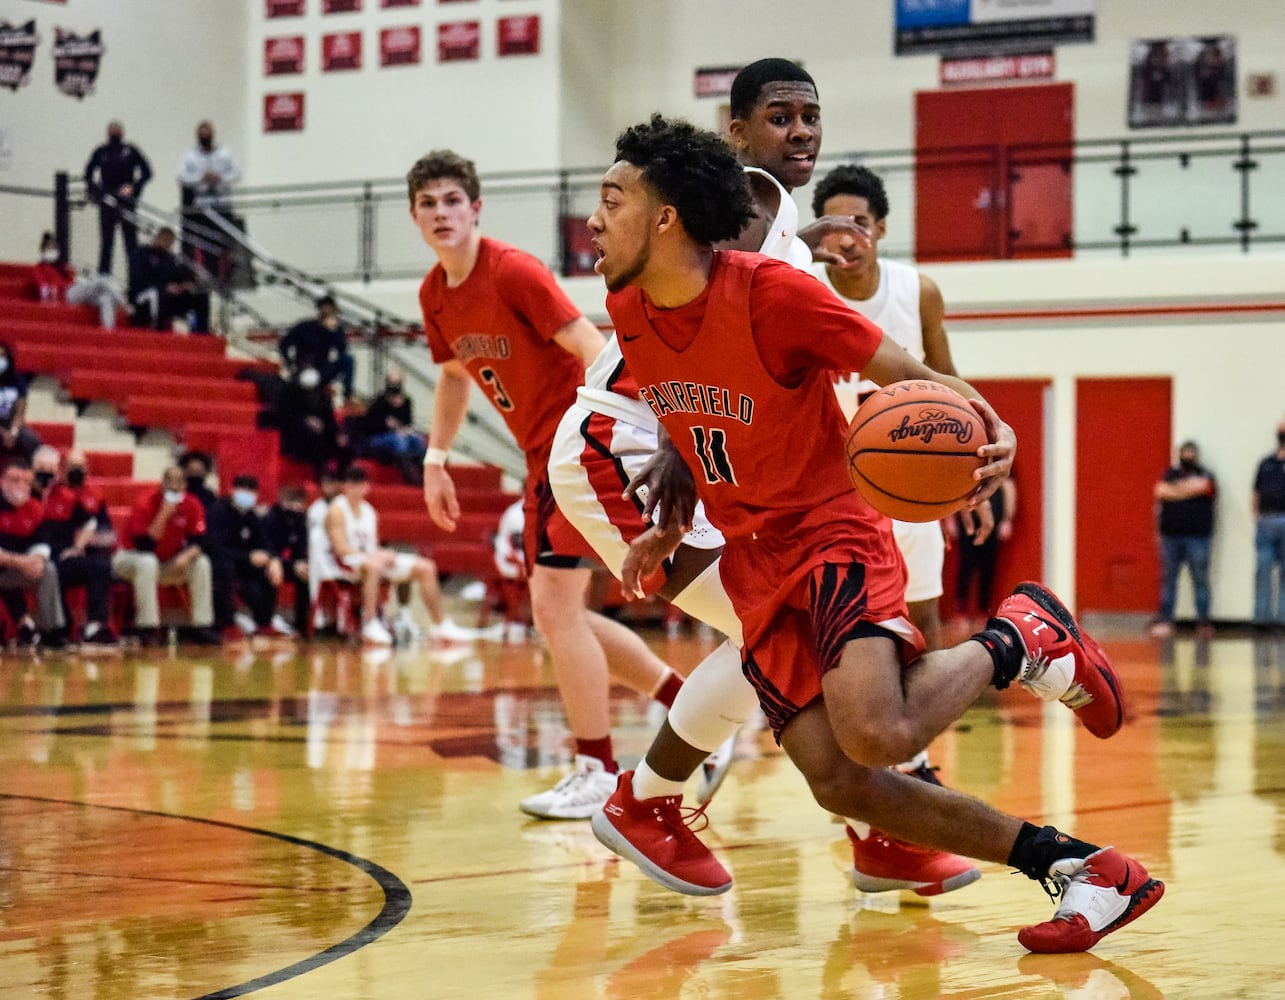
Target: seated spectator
point(390, 433)
point(166, 528)
point(353, 529)
point(286, 527)
point(56, 281)
point(163, 287)
point(197, 466)
point(25, 564)
point(314, 352)
point(250, 567)
point(16, 438)
point(69, 528)
point(305, 418)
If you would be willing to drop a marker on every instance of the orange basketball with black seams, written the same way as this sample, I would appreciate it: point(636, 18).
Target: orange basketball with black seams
point(912, 450)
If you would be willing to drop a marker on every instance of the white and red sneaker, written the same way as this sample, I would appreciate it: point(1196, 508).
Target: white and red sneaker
point(1062, 662)
point(881, 863)
point(1100, 894)
point(655, 834)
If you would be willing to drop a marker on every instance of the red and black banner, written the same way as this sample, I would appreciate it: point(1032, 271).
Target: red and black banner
point(17, 52)
point(283, 55)
point(518, 36)
point(284, 8)
point(398, 3)
point(340, 6)
point(399, 46)
point(458, 40)
point(283, 112)
point(77, 59)
point(341, 51)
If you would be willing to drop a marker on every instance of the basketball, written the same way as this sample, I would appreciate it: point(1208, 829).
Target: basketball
point(912, 450)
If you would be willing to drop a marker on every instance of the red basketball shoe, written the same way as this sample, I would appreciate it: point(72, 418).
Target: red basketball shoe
point(655, 834)
point(881, 863)
point(1061, 661)
point(1100, 894)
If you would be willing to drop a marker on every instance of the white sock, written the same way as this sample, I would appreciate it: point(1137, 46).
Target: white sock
point(647, 784)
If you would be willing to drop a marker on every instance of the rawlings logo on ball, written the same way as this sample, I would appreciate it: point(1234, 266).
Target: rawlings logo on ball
point(929, 424)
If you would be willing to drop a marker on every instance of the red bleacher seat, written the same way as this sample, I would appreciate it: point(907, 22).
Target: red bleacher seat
point(58, 435)
point(20, 332)
point(117, 387)
point(115, 464)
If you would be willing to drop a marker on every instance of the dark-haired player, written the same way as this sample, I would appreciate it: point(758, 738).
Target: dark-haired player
point(812, 571)
point(496, 316)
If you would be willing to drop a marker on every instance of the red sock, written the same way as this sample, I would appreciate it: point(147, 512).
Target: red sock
point(668, 690)
point(599, 750)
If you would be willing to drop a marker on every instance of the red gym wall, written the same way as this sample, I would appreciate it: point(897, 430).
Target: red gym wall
point(1021, 403)
point(1123, 439)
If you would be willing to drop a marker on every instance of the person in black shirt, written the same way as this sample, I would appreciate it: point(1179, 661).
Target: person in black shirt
point(286, 527)
point(390, 432)
point(1185, 510)
point(236, 532)
point(315, 351)
point(162, 286)
point(116, 175)
point(1269, 536)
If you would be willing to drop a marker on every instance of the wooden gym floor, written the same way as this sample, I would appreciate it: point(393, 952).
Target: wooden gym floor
point(287, 822)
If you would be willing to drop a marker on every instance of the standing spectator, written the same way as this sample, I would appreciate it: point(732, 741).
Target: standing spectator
point(69, 528)
point(162, 287)
point(206, 175)
point(1185, 517)
point(315, 351)
point(286, 527)
point(16, 438)
point(1269, 536)
point(166, 528)
point(57, 281)
point(978, 560)
point(25, 564)
point(246, 564)
point(390, 431)
point(115, 176)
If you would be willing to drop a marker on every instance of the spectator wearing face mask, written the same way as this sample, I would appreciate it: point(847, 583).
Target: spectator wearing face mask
point(57, 281)
point(315, 351)
point(249, 563)
point(390, 432)
point(286, 527)
point(197, 466)
point(1184, 497)
point(16, 438)
point(166, 528)
point(25, 563)
point(115, 176)
point(69, 526)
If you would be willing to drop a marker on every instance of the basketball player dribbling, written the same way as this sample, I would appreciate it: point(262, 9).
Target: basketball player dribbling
point(608, 436)
point(712, 339)
point(496, 316)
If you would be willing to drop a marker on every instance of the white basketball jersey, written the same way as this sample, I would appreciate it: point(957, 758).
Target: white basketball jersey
point(361, 527)
point(782, 242)
point(321, 555)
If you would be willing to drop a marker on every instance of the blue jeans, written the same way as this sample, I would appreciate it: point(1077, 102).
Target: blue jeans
point(1174, 551)
point(398, 445)
point(1269, 554)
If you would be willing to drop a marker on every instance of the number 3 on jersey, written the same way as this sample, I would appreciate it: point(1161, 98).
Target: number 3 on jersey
point(498, 396)
point(711, 449)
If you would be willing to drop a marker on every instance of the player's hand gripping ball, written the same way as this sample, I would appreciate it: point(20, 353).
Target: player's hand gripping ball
point(912, 450)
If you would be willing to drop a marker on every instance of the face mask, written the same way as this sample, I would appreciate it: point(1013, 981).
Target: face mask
point(43, 479)
point(174, 496)
point(1280, 435)
point(49, 256)
point(309, 378)
point(194, 483)
point(244, 499)
point(4, 365)
point(114, 140)
point(76, 476)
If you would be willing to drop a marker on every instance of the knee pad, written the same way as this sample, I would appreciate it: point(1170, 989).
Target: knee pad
point(714, 701)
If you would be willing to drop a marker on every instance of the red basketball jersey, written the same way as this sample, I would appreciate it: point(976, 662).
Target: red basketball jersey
point(747, 399)
point(500, 323)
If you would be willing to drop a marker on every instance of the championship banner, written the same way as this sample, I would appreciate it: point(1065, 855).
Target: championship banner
point(399, 46)
point(990, 27)
point(77, 59)
point(341, 51)
point(283, 112)
point(283, 55)
point(17, 52)
point(458, 40)
point(518, 36)
point(283, 8)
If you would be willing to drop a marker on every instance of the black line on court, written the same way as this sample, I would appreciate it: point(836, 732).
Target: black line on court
point(397, 895)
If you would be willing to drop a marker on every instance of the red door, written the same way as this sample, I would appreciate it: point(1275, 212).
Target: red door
point(993, 172)
point(1122, 443)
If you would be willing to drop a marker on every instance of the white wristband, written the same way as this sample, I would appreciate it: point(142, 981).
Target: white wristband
point(436, 456)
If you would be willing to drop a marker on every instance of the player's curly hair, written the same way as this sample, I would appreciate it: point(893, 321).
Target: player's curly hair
point(861, 182)
point(443, 163)
point(695, 171)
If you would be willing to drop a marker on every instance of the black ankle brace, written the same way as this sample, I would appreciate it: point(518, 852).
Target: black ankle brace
point(1006, 655)
point(1036, 848)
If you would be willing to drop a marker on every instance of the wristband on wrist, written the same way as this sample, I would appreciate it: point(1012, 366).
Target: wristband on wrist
point(436, 456)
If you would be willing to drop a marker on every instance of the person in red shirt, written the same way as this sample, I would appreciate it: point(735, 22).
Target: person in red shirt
point(57, 281)
point(165, 529)
point(734, 354)
point(496, 316)
point(25, 564)
point(69, 525)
